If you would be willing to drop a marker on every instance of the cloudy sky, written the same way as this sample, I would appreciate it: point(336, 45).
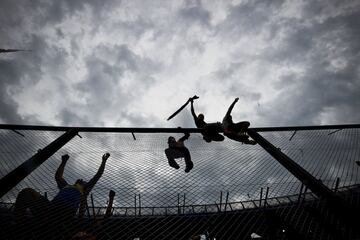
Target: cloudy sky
point(133, 63)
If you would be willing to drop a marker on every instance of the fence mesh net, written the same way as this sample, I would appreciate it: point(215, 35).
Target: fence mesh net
point(234, 191)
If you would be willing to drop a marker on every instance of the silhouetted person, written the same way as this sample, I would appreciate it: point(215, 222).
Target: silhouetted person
point(210, 130)
point(97, 229)
point(177, 149)
point(65, 204)
point(236, 131)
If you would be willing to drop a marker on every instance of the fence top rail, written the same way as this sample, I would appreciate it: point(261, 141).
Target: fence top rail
point(166, 130)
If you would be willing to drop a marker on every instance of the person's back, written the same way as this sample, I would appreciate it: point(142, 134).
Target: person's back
point(68, 200)
point(211, 130)
point(177, 149)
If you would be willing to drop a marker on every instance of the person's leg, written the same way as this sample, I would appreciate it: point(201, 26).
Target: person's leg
point(217, 137)
point(211, 131)
point(240, 126)
point(250, 141)
point(170, 154)
point(188, 162)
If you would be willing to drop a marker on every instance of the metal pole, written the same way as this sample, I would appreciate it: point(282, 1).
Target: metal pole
point(184, 203)
point(135, 203)
point(266, 196)
point(316, 186)
point(220, 200)
point(139, 205)
point(301, 189)
point(337, 184)
point(18, 174)
point(261, 192)
point(168, 130)
point(226, 200)
point(93, 206)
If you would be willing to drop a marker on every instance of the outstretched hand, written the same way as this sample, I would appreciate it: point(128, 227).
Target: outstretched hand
point(105, 156)
point(236, 99)
point(65, 157)
point(193, 98)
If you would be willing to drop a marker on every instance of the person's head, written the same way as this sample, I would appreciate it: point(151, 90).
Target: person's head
point(171, 139)
point(201, 116)
point(80, 182)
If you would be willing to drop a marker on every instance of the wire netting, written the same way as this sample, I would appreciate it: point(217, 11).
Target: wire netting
point(234, 191)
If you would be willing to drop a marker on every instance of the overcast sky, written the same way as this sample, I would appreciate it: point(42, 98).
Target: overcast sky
point(133, 63)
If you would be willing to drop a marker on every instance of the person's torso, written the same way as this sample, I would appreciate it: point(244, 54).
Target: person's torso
point(178, 144)
point(70, 196)
point(200, 123)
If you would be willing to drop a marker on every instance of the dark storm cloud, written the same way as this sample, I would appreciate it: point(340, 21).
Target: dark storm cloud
point(17, 71)
point(329, 81)
point(193, 12)
point(248, 17)
point(107, 70)
point(72, 118)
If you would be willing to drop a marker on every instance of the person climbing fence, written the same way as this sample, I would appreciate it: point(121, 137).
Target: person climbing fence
point(64, 205)
point(236, 131)
point(210, 130)
point(177, 149)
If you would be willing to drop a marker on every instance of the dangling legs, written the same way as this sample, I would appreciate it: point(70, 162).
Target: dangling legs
point(171, 154)
point(188, 162)
point(240, 127)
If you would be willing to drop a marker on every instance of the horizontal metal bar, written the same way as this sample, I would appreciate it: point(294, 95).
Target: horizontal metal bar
point(166, 130)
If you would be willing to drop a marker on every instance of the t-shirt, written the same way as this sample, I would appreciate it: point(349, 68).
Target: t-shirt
point(70, 196)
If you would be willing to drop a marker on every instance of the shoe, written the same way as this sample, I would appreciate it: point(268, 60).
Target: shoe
point(189, 167)
point(173, 164)
point(251, 142)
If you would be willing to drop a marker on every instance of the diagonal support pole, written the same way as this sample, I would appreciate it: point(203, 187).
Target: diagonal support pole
point(315, 185)
point(18, 174)
point(334, 202)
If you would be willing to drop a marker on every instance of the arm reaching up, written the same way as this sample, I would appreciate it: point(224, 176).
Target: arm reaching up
point(93, 181)
point(192, 110)
point(228, 113)
point(185, 137)
point(60, 171)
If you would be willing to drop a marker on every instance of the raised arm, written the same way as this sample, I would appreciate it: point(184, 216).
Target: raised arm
point(185, 137)
point(231, 107)
point(192, 110)
point(98, 175)
point(60, 171)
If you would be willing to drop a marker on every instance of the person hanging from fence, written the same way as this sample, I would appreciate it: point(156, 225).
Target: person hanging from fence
point(65, 204)
point(236, 131)
point(177, 149)
point(210, 130)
